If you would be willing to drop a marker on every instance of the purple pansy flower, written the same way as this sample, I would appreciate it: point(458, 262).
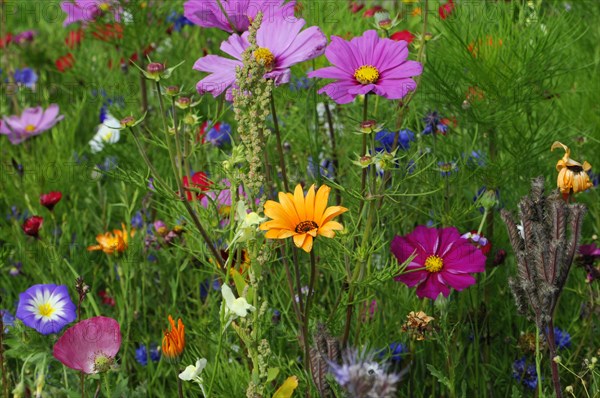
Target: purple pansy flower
point(281, 44)
point(88, 10)
point(208, 13)
point(46, 308)
point(368, 64)
point(33, 121)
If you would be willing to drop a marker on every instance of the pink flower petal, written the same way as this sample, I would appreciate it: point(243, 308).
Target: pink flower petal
point(432, 287)
point(457, 281)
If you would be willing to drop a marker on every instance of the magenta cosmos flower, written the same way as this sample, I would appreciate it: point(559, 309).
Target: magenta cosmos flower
point(89, 346)
point(368, 64)
point(443, 260)
point(281, 44)
point(88, 10)
point(31, 122)
point(208, 13)
point(46, 308)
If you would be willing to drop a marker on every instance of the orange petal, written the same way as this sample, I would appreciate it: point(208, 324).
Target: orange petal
point(332, 212)
point(309, 203)
point(321, 203)
point(299, 202)
point(308, 244)
point(288, 207)
point(299, 239)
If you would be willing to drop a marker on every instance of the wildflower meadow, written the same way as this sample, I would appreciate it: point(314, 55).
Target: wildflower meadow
point(299, 198)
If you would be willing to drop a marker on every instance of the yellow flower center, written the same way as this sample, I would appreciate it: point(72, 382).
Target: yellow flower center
point(265, 57)
point(306, 226)
point(29, 128)
point(104, 7)
point(366, 74)
point(45, 310)
point(102, 363)
point(225, 210)
point(434, 263)
point(107, 136)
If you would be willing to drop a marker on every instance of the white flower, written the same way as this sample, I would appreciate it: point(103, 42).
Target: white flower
point(107, 133)
point(235, 307)
point(191, 373)
point(247, 224)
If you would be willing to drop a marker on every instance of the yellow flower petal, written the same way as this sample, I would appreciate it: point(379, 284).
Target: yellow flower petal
point(299, 202)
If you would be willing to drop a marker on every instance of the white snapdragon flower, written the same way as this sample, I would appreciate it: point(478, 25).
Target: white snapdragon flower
point(107, 133)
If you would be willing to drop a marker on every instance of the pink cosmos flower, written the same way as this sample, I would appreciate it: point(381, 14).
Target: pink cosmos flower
point(89, 346)
point(31, 122)
point(281, 44)
point(368, 64)
point(88, 10)
point(443, 260)
point(208, 14)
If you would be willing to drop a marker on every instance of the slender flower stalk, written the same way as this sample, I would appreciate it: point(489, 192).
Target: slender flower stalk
point(279, 145)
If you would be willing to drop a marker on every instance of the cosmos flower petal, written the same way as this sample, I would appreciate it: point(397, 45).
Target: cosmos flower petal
point(431, 288)
point(457, 281)
point(82, 344)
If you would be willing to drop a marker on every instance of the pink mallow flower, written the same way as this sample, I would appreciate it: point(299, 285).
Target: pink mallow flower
point(281, 44)
point(88, 10)
point(208, 13)
point(89, 346)
point(368, 64)
point(33, 121)
point(443, 260)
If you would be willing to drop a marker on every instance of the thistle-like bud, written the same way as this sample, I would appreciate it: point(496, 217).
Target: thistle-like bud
point(128, 121)
point(183, 102)
point(155, 69)
point(172, 91)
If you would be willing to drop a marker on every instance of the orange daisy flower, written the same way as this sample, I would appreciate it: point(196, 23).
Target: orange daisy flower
point(110, 242)
point(572, 175)
point(173, 342)
point(302, 218)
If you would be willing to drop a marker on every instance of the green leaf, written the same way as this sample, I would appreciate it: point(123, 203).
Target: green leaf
point(439, 376)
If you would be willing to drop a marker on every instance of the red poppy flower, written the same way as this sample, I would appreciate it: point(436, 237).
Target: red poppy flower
point(372, 11)
point(50, 199)
point(5, 40)
point(446, 9)
point(403, 35)
point(108, 32)
point(65, 62)
point(199, 181)
point(107, 299)
point(74, 38)
point(32, 226)
point(356, 7)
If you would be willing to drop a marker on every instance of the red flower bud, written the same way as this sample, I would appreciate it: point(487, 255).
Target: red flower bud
point(50, 199)
point(32, 226)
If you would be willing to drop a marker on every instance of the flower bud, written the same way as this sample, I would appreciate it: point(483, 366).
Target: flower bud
point(557, 359)
point(183, 102)
point(154, 70)
point(172, 91)
point(369, 126)
point(128, 121)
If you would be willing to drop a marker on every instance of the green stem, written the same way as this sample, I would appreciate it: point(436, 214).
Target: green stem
point(311, 288)
point(82, 382)
point(538, 361)
point(177, 140)
point(179, 387)
point(279, 145)
point(212, 378)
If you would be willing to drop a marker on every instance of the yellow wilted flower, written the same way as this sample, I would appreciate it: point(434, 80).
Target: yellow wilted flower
point(572, 175)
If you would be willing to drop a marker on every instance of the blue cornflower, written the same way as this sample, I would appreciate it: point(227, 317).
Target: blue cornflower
point(562, 339)
point(525, 373)
point(219, 134)
point(141, 354)
point(326, 168)
point(137, 221)
point(434, 124)
point(299, 83)
point(179, 21)
point(26, 77)
point(447, 168)
point(16, 214)
point(8, 320)
point(386, 138)
point(475, 159)
point(395, 352)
